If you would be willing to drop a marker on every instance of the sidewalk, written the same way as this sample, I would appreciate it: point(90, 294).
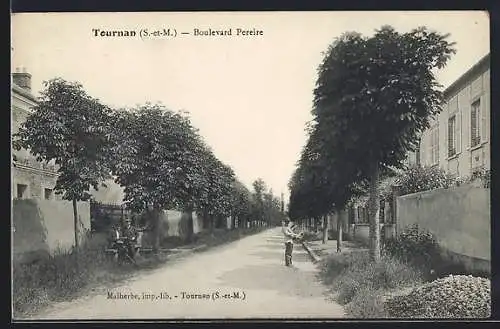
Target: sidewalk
point(318, 251)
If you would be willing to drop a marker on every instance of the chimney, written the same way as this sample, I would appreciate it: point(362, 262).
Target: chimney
point(22, 78)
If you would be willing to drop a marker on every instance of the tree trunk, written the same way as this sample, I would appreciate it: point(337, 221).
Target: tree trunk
point(325, 229)
point(189, 226)
point(156, 229)
point(75, 225)
point(374, 219)
point(339, 232)
point(233, 222)
point(213, 222)
point(206, 222)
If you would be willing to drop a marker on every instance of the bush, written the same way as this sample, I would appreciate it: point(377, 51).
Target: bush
point(367, 304)
point(417, 179)
point(388, 274)
point(484, 175)
point(353, 273)
point(456, 296)
point(414, 246)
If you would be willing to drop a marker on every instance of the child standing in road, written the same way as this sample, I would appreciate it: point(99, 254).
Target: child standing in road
point(289, 236)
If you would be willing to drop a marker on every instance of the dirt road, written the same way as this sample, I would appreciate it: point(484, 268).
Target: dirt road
point(243, 279)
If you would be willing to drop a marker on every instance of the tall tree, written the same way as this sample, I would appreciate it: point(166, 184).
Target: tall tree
point(373, 98)
point(260, 188)
point(157, 161)
point(241, 204)
point(216, 202)
point(72, 129)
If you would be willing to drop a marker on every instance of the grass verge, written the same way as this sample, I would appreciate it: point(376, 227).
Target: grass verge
point(361, 285)
point(60, 277)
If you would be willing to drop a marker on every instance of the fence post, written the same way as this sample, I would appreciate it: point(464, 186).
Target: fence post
point(396, 192)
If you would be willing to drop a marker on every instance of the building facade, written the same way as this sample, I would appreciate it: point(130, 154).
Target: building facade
point(458, 139)
point(31, 179)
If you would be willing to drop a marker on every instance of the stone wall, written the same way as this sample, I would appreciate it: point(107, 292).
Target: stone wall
point(458, 217)
point(42, 227)
point(36, 182)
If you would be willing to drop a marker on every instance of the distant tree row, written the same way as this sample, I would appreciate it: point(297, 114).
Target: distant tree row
point(155, 154)
point(374, 97)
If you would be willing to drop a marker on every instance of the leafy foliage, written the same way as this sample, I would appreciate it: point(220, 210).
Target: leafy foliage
point(217, 200)
point(415, 246)
point(484, 175)
point(241, 202)
point(417, 179)
point(374, 97)
point(71, 128)
point(265, 206)
point(158, 158)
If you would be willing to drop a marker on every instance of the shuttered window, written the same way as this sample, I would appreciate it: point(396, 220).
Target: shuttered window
point(484, 123)
point(475, 119)
point(452, 135)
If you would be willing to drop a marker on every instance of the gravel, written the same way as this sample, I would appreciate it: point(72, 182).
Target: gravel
point(455, 296)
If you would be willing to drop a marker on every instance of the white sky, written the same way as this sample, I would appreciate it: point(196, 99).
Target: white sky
point(249, 96)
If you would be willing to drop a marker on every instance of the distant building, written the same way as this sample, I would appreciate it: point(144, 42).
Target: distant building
point(458, 140)
point(31, 179)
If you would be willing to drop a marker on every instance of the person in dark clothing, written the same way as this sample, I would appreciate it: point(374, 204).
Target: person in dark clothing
point(289, 237)
point(129, 233)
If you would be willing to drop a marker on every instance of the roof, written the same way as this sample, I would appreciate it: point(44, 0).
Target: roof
point(482, 65)
point(23, 92)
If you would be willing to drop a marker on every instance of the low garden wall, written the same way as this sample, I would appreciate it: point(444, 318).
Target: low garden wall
point(458, 217)
point(42, 227)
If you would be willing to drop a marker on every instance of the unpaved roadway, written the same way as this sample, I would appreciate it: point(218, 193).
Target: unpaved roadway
point(243, 279)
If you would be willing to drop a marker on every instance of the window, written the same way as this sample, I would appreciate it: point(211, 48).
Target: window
point(475, 119)
point(48, 194)
point(452, 135)
point(22, 191)
point(434, 145)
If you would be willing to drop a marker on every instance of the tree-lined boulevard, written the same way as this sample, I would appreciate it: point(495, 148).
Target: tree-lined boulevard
point(373, 99)
point(250, 269)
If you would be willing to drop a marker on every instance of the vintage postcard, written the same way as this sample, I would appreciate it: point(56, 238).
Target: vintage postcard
point(251, 165)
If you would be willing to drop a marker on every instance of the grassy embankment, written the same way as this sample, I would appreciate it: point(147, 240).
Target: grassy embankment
point(411, 281)
point(58, 278)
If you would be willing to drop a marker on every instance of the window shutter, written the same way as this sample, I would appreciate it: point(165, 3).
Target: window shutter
point(484, 122)
point(450, 136)
point(458, 132)
point(473, 125)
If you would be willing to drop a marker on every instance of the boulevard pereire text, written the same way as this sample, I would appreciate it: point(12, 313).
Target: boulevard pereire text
point(173, 32)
